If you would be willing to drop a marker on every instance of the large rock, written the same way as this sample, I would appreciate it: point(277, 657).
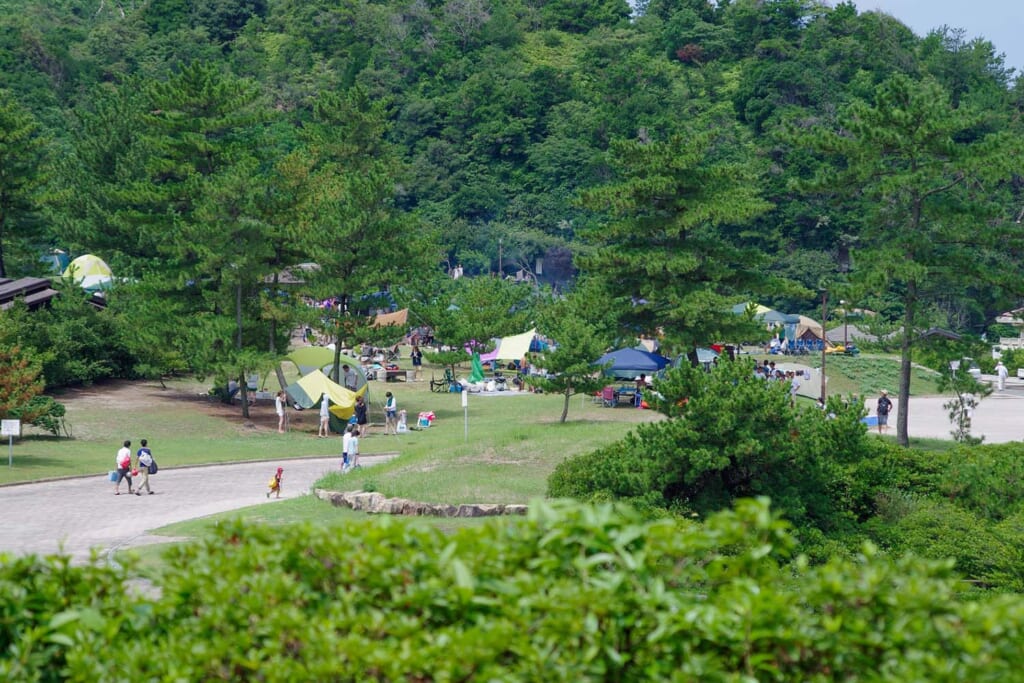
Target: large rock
point(377, 503)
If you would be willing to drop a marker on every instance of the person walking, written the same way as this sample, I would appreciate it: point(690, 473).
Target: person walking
point(882, 410)
point(1001, 374)
point(346, 439)
point(275, 483)
point(145, 459)
point(325, 417)
point(123, 461)
point(279, 409)
point(390, 414)
point(417, 362)
point(353, 449)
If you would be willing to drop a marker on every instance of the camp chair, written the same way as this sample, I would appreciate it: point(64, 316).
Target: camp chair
point(444, 384)
point(608, 398)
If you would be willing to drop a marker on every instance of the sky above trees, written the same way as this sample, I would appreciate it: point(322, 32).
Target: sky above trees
point(997, 21)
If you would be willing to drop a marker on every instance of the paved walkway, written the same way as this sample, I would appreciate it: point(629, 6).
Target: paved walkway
point(75, 515)
point(999, 417)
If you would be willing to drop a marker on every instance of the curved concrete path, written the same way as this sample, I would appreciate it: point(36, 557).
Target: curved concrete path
point(73, 516)
point(999, 417)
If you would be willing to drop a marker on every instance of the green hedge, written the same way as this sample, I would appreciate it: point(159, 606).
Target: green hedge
point(572, 593)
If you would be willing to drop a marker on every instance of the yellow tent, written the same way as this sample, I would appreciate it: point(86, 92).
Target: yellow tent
point(309, 358)
point(308, 391)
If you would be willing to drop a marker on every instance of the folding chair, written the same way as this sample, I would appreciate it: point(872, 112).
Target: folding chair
point(608, 399)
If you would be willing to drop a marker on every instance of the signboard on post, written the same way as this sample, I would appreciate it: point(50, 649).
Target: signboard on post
point(465, 414)
point(10, 429)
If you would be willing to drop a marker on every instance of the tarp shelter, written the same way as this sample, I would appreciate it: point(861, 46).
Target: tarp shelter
point(510, 348)
point(310, 358)
point(477, 372)
point(515, 347)
point(399, 318)
point(89, 272)
point(309, 390)
point(809, 378)
point(628, 363)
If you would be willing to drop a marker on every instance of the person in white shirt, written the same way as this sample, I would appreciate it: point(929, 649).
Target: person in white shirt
point(279, 409)
point(1001, 374)
point(123, 462)
point(325, 417)
point(353, 449)
point(390, 414)
point(346, 441)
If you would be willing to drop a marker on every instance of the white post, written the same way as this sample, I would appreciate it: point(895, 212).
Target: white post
point(465, 413)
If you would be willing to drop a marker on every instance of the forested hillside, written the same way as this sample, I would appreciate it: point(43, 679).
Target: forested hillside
point(773, 147)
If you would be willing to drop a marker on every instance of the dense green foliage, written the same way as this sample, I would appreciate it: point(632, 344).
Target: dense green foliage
point(730, 435)
point(573, 593)
point(203, 149)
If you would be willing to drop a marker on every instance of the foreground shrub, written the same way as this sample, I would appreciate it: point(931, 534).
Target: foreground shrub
point(988, 480)
point(573, 593)
point(732, 435)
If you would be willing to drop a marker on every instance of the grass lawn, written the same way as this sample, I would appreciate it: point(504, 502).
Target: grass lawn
point(513, 441)
point(864, 374)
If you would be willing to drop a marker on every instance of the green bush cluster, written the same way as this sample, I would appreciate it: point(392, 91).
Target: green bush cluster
point(731, 435)
point(573, 593)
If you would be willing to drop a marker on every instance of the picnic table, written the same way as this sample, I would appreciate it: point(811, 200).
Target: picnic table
point(625, 395)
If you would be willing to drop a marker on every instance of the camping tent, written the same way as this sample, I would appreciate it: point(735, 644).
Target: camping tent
point(628, 363)
point(310, 358)
point(802, 327)
point(89, 272)
point(762, 313)
point(850, 332)
point(309, 390)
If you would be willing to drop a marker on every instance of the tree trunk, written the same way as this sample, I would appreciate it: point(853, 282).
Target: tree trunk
point(910, 300)
point(565, 405)
point(243, 391)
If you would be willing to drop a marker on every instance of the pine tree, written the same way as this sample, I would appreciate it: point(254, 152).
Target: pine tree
point(22, 173)
point(664, 256)
point(928, 178)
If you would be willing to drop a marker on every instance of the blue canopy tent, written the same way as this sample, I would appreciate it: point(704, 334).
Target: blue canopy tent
point(628, 363)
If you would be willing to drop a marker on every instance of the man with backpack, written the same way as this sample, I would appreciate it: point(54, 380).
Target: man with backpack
point(147, 466)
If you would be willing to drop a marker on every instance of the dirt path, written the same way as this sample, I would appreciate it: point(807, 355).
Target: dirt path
point(75, 515)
